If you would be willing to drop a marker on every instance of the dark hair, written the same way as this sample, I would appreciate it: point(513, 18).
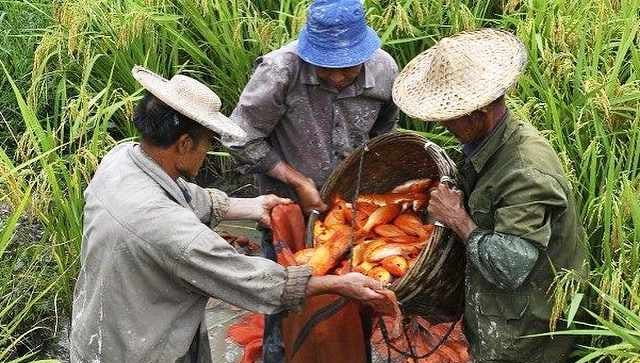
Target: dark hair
point(161, 125)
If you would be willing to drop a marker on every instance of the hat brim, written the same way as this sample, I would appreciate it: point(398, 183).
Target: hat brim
point(449, 100)
point(162, 88)
point(338, 57)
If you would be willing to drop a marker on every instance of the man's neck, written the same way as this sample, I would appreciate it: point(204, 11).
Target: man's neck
point(162, 158)
point(492, 119)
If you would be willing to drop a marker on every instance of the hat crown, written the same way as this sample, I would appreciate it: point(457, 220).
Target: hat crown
point(452, 61)
point(336, 23)
point(189, 97)
point(460, 74)
point(198, 93)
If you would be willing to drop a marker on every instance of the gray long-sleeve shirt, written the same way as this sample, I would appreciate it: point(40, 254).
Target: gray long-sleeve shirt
point(150, 261)
point(291, 116)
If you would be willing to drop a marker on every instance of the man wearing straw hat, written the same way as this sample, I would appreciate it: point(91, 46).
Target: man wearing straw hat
point(150, 259)
point(516, 214)
point(308, 105)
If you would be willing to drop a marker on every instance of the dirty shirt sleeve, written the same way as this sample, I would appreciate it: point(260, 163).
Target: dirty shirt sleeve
point(209, 205)
point(210, 266)
point(260, 108)
point(506, 255)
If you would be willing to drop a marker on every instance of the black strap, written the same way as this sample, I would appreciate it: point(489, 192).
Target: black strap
point(411, 353)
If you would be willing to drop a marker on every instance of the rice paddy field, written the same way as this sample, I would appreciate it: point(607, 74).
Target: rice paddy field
point(67, 96)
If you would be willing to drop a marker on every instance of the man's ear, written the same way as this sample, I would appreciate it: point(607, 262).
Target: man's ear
point(184, 144)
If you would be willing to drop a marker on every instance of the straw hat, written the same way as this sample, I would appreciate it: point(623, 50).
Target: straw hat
point(459, 74)
point(189, 97)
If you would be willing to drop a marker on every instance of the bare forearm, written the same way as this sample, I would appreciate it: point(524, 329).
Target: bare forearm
point(287, 174)
point(463, 225)
point(304, 187)
point(244, 208)
point(319, 285)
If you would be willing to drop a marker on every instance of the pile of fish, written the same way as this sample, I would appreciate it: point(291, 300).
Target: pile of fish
point(379, 235)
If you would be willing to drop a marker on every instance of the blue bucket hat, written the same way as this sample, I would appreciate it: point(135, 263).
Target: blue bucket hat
point(336, 35)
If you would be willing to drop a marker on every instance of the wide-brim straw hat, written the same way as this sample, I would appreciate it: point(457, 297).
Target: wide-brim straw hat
point(460, 74)
point(191, 98)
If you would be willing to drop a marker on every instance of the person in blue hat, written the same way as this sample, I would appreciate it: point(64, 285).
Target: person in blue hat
point(308, 105)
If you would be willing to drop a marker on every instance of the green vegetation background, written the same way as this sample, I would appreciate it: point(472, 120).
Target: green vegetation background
point(66, 97)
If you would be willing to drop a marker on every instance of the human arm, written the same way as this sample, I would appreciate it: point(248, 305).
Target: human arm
point(522, 227)
point(259, 110)
point(304, 187)
point(212, 267)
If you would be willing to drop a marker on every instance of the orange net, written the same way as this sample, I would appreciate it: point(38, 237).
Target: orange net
point(248, 334)
point(421, 341)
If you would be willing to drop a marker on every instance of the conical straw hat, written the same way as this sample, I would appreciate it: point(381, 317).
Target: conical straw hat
point(459, 74)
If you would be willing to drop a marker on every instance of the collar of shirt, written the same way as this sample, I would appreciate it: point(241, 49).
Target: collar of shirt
point(365, 80)
point(479, 152)
point(155, 172)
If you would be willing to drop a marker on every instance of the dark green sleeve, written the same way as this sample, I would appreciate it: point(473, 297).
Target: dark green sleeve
point(522, 226)
point(504, 260)
point(526, 200)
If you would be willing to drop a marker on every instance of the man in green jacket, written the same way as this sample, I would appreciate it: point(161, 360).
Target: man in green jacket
point(515, 213)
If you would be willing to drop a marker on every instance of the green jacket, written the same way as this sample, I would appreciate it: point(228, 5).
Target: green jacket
point(521, 201)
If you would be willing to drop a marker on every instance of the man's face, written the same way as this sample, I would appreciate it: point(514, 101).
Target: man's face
point(338, 78)
point(468, 128)
point(191, 153)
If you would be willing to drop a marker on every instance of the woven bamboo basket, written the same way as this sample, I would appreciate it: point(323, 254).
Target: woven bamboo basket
point(434, 285)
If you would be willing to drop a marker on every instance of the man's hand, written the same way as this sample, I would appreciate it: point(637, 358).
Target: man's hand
point(446, 205)
point(304, 187)
point(265, 204)
point(309, 197)
point(255, 209)
point(352, 285)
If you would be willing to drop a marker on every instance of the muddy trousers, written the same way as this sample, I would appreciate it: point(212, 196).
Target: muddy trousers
point(272, 344)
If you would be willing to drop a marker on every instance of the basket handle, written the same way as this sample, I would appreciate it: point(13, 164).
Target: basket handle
point(448, 174)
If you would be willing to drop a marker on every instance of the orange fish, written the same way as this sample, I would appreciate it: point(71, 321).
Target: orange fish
point(389, 230)
point(366, 208)
point(343, 268)
point(409, 222)
point(302, 257)
point(340, 242)
point(396, 265)
point(357, 254)
point(328, 233)
point(380, 274)
point(391, 249)
point(364, 267)
point(382, 215)
point(335, 216)
point(404, 239)
point(370, 246)
point(414, 186)
point(424, 233)
point(321, 261)
point(391, 198)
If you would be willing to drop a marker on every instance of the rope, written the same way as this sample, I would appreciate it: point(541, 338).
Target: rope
point(354, 203)
point(411, 354)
